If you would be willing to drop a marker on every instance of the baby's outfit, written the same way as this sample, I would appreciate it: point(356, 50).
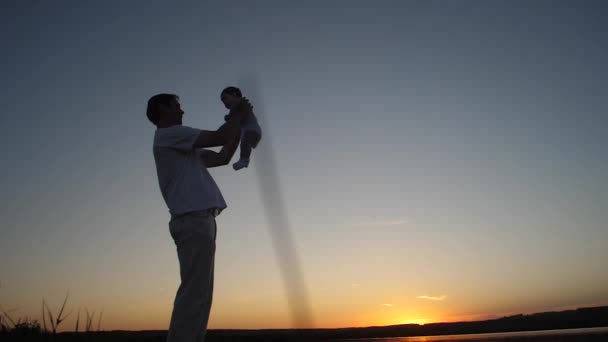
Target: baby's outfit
point(251, 133)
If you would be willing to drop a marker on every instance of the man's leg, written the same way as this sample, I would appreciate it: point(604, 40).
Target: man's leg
point(194, 236)
point(209, 295)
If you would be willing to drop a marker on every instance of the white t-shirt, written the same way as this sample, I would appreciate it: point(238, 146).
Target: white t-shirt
point(184, 180)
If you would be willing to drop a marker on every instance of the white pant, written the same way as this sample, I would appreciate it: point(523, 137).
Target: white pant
point(194, 235)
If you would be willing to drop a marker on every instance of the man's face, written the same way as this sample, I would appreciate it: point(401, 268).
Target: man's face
point(173, 112)
point(229, 100)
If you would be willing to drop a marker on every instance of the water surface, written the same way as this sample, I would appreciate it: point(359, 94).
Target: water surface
point(565, 335)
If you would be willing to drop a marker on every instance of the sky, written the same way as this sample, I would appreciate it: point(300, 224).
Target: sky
point(438, 160)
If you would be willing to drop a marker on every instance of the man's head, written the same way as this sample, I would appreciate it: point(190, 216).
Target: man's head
point(164, 110)
point(230, 96)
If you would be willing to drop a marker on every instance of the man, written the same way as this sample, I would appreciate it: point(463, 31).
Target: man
point(194, 200)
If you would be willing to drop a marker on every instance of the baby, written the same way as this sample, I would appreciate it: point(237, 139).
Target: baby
point(251, 133)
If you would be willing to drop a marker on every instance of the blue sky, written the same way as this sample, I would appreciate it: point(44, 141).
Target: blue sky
point(431, 149)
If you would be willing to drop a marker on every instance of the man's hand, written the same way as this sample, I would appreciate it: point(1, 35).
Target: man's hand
point(227, 132)
point(242, 108)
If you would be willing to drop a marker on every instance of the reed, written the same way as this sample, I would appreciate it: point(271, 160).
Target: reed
point(99, 321)
point(60, 317)
point(89, 322)
point(7, 318)
point(50, 322)
point(77, 320)
point(21, 327)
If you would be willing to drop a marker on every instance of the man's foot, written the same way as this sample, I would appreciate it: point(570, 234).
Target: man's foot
point(240, 164)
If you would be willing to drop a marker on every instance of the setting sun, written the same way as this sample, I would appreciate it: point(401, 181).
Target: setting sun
point(421, 321)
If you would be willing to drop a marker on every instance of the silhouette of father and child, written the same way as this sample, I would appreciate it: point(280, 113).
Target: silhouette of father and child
point(193, 198)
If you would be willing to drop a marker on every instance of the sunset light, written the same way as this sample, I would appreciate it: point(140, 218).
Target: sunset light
point(420, 321)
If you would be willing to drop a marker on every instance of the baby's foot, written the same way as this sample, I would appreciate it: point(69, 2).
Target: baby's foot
point(240, 164)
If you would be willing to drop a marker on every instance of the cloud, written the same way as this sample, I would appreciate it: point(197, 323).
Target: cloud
point(388, 304)
point(433, 298)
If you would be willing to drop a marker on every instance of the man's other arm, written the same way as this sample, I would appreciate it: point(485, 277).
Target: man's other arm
point(223, 157)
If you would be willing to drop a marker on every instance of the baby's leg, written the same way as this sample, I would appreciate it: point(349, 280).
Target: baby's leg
point(248, 142)
point(245, 148)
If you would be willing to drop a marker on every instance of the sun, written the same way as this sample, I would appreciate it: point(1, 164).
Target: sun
point(421, 321)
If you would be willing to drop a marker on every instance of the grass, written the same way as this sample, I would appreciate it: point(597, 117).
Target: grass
point(50, 323)
point(60, 318)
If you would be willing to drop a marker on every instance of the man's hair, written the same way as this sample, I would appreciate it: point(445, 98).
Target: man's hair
point(154, 102)
point(232, 91)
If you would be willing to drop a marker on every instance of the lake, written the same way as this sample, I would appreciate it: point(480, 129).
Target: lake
point(565, 335)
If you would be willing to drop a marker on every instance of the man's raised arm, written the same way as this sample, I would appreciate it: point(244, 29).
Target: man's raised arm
point(229, 131)
point(223, 157)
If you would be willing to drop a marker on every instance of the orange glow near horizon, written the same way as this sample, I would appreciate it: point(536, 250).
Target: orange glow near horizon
point(228, 318)
point(360, 307)
point(420, 321)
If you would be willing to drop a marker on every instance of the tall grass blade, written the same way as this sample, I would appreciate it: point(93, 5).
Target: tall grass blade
point(43, 316)
point(89, 322)
point(7, 316)
point(99, 321)
point(59, 318)
point(86, 321)
point(51, 319)
point(77, 319)
point(2, 326)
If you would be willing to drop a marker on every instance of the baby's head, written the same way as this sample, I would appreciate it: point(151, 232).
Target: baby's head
point(230, 96)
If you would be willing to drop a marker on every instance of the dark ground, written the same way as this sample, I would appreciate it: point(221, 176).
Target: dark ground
point(160, 336)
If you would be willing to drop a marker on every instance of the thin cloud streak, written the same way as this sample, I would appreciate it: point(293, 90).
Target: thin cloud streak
point(433, 298)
